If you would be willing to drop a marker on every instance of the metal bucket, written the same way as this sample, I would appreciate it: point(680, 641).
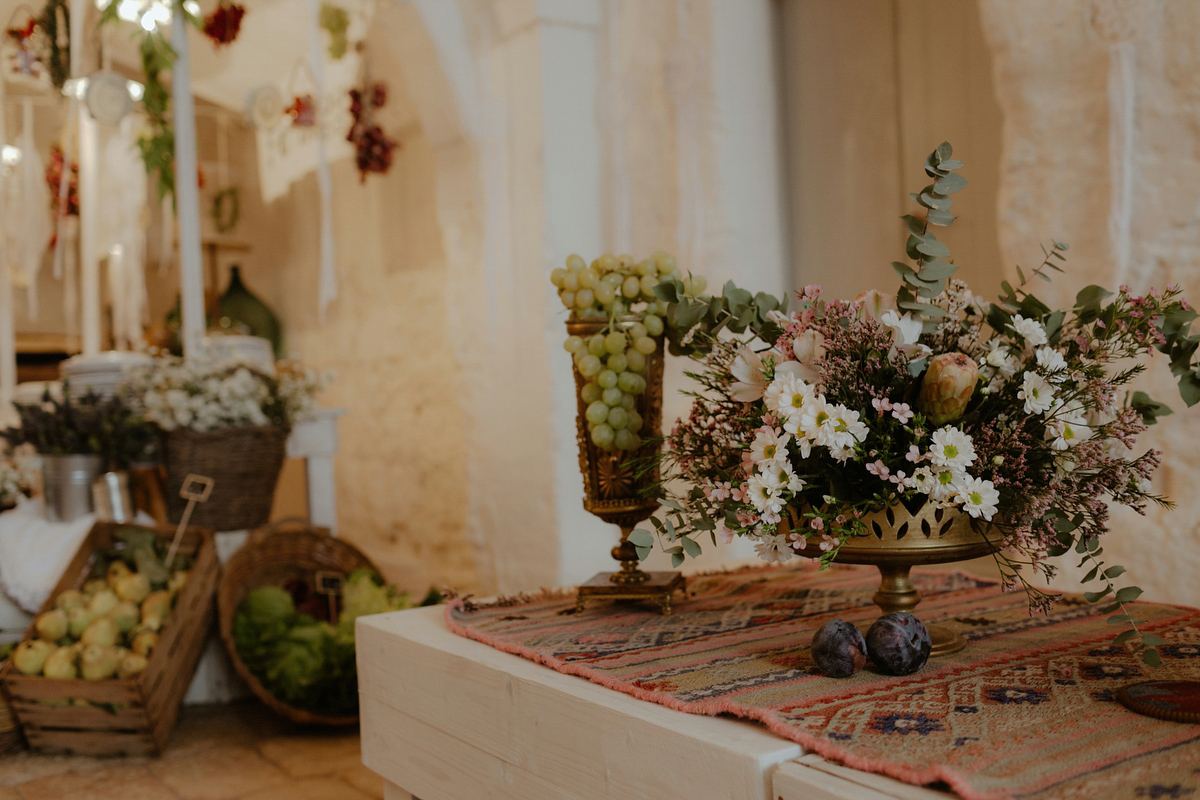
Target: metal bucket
point(67, 484)
point(111, 497)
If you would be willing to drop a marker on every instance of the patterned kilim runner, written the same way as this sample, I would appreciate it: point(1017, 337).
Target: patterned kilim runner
point(1027, 710)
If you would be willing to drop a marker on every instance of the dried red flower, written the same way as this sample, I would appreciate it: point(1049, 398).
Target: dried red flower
point(223, 24)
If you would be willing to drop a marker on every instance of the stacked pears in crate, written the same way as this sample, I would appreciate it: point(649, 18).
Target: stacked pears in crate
point(109, 627)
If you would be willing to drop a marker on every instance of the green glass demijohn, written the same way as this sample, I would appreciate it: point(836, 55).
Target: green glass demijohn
point(240, 311)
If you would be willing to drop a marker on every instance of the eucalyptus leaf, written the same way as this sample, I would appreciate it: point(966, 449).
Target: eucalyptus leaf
point(950, 184)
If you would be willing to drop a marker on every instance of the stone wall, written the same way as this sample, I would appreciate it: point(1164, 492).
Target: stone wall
point(1101, 125)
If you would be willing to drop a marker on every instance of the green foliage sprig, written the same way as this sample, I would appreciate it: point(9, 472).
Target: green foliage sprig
point(934, 264)
point(693, 321)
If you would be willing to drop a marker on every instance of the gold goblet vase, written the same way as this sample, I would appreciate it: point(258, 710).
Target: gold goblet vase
point(897, 540)
point(613, 488)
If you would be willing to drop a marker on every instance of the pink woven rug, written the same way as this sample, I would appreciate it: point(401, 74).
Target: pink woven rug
point(1026, 711)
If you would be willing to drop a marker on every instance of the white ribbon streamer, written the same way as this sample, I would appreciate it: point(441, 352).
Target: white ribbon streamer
point(327, 290)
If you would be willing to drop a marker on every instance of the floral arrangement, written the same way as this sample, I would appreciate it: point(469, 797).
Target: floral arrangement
point(88, 425)
point(208, 394)
point(1011, 412)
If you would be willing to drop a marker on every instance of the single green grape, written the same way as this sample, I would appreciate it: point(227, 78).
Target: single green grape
point(571, 281)
point(615, 342)
point(635, 422)
point(637, 330)
point(619, 308)
point(589, 365)
point(612, 396)
point(605, 293)
point(568, 298)
point(575, 262)
point(617, 362)
point(635, 360)
point(557, 275)
point(595, 344)
point(628, 401)
point(587, 279)
point(584, 297)
point(648, 283)
point(652, 307)
point(646, 267)
point(608, 379)
point(631, 382)
point(654, 324)
point(631, 287)
point(590, 392)
point(603, 436)
point(607, 262)
point(573, 344)
point(624, 439)
point(665, 262)
point(644, 345)
point(699, 284)
point(617, 417)
point(597, 412)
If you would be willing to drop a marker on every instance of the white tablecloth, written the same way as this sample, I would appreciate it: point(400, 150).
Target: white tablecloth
point(34, 552)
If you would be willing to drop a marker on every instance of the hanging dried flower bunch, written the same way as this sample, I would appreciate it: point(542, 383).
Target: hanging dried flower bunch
point(223, 24)
point(54, 177)
point(373, 148)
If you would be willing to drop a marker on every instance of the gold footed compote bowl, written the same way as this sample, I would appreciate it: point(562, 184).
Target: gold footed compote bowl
point(897, 540)
point(613, 486)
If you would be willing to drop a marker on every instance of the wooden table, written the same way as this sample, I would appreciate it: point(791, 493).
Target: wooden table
point(447, 718)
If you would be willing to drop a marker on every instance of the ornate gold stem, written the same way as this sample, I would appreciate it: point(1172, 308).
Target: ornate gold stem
point(896, 591)
point(626, 553)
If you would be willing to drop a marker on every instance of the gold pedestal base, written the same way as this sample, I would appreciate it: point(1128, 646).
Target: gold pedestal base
point(658, 588)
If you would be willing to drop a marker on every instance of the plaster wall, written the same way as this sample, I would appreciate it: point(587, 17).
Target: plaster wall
point(1101, 125)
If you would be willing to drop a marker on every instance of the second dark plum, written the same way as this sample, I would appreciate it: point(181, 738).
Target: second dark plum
point(899, 643)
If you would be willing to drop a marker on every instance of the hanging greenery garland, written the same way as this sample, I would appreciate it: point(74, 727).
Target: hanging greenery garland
point(157, 143)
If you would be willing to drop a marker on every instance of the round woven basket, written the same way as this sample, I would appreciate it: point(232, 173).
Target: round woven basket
point(272, 558)
point(244, 464)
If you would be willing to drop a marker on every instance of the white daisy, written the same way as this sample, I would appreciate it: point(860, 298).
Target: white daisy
point(1030, 330)
point(978, 497)
point(922, 480)
point(769, 446)
point(1037, 393)
point(764, 495)
point(774, 548)
point(787, 394)
point(1068, 427)
point(1051, 361)
point(945, 483)
point(782, 475)
point(952, 448)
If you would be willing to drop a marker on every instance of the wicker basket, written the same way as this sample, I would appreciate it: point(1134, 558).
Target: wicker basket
point(272, 558)
point(10, 730)
point(244, 464)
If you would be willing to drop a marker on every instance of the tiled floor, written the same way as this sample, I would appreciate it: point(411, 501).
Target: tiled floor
point(237, 752)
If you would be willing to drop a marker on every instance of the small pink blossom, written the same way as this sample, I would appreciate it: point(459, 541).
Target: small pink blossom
point(914, 454)
point(817, 524)
point(902, 412)
point(882, 405)
point(827, 542)
point(725, 535)
point(879, 469)
point(739, 495)
point(746, 519)
point(769, 420)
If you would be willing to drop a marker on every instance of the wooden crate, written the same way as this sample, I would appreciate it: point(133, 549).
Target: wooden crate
point(125, 717)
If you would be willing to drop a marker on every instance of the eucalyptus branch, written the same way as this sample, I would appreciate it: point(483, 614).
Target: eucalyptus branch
point(693, 321)
point(934, 264)
point(1147, 645)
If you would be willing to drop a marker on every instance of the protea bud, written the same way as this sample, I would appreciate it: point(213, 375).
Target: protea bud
point(947, 387)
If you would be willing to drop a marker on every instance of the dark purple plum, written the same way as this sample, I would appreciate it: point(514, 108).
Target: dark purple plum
point(838, 649)
point(898, 643)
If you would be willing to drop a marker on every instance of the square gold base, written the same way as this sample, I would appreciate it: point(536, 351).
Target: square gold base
point(658, 589)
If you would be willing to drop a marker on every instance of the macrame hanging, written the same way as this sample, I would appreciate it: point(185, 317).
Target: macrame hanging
point(121, 232)
point(36, 231)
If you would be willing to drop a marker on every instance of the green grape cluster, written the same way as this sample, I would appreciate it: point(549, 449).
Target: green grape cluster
point(613, 363)
point(613, 286)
